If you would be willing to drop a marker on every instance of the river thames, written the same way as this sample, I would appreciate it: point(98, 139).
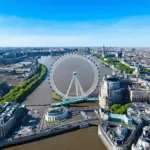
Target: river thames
point(84, 139)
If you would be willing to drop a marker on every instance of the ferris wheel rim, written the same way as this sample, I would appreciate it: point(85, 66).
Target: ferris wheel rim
point(61, 59)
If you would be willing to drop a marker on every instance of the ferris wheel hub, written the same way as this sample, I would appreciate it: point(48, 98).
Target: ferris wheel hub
point(74, 73)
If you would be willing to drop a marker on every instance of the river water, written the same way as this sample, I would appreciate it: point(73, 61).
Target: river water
point(84, 139)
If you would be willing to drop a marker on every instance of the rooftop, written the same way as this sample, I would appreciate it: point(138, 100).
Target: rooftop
point(7, 110)
point(111, 78)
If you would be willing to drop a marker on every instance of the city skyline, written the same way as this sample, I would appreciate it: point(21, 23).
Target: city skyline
point(80, 23)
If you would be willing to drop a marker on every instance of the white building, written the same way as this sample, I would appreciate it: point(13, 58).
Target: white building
point(110, 92)
point(144, 141)
point(139, 95)
point(10, 113)
point(56, 114)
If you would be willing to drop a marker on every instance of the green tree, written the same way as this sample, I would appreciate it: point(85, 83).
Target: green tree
point(115, 107)
point(20, 92)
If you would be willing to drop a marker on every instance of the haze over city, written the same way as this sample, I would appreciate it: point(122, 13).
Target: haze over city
point(75, 23)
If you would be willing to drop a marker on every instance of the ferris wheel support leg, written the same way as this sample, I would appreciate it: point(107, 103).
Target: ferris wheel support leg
point(80, 87)
point(69, 88)
point(77, 90)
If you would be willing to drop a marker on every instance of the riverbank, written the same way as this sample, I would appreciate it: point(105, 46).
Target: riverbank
point(38, 136)
point(116, 64)
point(56, 97)
point(21, 91)
point(77, 140)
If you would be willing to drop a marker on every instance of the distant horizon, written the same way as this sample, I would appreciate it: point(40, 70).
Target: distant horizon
point(74, 23)
point(69, 47)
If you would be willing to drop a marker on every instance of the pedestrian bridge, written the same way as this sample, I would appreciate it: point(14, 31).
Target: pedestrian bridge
point(74, 101)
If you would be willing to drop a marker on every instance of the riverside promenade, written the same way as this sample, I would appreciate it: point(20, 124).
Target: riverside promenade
point(48, 132)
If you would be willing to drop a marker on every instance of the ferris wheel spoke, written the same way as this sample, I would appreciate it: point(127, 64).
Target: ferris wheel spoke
point(69, 88)
point(80, 87)
point(77, 90)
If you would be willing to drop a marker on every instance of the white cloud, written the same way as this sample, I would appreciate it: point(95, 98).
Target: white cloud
point(45, 40)
point(15, 31)
point(72, 41)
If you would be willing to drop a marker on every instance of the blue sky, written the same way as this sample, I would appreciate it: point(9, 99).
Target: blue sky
point(75, 23)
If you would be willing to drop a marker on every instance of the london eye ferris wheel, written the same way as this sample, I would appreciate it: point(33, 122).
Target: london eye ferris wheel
point(74, 76)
